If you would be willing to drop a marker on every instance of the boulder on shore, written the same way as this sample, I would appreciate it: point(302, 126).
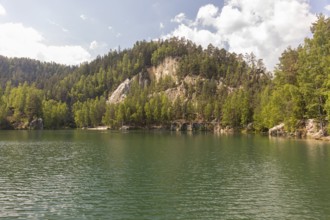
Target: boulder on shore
point(278, 130)
point(314, 129)
point(36, 124)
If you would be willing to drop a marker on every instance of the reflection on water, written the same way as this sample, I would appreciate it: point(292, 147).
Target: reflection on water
point(137, 175)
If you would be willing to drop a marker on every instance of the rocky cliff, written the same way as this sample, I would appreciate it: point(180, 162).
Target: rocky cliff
point(167, 68)
point(123, 89)
point(120, 93)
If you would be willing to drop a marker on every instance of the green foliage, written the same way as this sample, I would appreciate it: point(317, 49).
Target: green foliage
point(33, 103)
point(165, 83)
point(3, 110)
point(169, 48)
point(300, 88)
point(55, 114)
point(109, 116)
point(233, 89)
point(314, 67)
point(287, 70)
point(79, 88)
point(284, 104)
point(20, 70)
point(262, 111)
point(327, 104)
point(89, 113)
point(236, 109)
point(25, 101)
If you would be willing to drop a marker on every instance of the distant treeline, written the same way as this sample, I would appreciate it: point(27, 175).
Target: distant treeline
point(231, 89)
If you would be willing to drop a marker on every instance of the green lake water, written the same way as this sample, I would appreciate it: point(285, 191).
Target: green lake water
point(161, 175)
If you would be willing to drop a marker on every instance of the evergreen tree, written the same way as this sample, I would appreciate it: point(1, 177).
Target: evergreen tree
point(314, 69)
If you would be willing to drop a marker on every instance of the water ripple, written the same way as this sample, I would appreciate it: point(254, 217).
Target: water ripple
point(139, 176)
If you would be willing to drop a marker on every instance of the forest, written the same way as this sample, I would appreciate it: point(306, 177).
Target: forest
point(213, 85)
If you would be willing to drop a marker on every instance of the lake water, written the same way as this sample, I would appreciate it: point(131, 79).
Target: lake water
point(161, 175)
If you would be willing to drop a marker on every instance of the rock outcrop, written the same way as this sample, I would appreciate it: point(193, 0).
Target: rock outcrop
point(36, 124)
point(219, 129)
point(120, 93)
point(278, 130)
point(143, 78)
point(309, 128)
point(167, 68)
point(174, 93)
point(122, 90)
point(313, 129)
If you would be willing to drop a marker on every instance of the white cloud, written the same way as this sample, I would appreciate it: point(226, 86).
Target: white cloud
point(94, 45)
point(110, 28)
point(326, 7)
point(20, 41)
point(207, 15)
point(118, 35)
point(161, 26)
point(2, 10)
point(199, 36)
point(179, 18)
point(83, 17)
point(264, 27)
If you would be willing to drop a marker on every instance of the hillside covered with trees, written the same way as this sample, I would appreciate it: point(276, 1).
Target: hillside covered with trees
point(208, 85)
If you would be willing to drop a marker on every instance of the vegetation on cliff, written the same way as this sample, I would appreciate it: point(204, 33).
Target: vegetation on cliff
point(208, 85)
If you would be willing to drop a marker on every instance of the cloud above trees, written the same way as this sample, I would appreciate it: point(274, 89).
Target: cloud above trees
point(264, 27)
point(20, 41)
point(17, 40)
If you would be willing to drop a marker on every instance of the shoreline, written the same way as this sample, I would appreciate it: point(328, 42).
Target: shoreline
point(195, 127)
point(216, 131)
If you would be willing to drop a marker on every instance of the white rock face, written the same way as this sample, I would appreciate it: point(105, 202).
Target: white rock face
point(120, 93)
point(313, 129)
point(167, 68)
point(175, 93)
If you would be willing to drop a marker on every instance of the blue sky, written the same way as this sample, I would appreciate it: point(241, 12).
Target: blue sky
point(74, 31)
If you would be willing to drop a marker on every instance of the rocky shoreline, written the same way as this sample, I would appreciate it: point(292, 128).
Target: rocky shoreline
point(307, 129)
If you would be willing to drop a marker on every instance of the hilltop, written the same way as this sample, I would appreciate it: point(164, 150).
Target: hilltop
point(171, 83)
point(151, 84)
